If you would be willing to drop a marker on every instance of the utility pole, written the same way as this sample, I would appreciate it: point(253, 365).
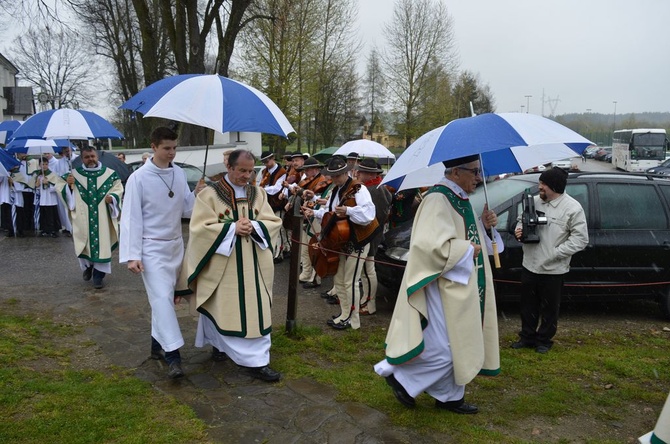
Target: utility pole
point(528, 103)
point(614, 115)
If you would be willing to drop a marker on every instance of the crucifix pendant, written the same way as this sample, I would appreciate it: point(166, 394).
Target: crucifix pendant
point(170, 194)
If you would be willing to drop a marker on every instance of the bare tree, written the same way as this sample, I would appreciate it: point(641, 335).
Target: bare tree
point(419, 36)
point(374, 88)
point(52, 60)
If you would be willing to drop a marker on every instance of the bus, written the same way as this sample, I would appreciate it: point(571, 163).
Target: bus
point(638, 149)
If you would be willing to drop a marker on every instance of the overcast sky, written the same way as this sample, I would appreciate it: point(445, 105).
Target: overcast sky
point(586, 53)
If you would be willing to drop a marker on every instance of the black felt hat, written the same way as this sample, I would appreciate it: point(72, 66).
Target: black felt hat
point(352, 155)
point(460, 161)
point(265, 155)
point(299, 154)
point(311, 162)
point(555, 178)
point(368, 166)
point(336, 166)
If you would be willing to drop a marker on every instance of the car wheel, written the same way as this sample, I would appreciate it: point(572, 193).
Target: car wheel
point(664, 302)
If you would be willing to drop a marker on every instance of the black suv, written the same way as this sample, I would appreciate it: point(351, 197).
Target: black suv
point(628, 254)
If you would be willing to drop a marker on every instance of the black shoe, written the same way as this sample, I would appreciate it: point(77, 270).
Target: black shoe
point(331, 322)
point(98, 284)
point(341, 325)
point(218, 355)
point(278, 260)
point(333, 300)
point(542, 349)
point(67, 233)
point(54, 234)
point(313, 284)
point(175, 371)
point(325, 295)
point(286, 254)
point(400, 393)
point(460, 407)
point(88, 272)
point(263, 373)
point(44, 234)
point(522, 344)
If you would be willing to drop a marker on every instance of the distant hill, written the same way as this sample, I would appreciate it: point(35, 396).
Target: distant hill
point(598, 127)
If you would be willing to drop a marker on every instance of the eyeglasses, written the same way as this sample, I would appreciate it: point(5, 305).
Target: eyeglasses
point(475, 171)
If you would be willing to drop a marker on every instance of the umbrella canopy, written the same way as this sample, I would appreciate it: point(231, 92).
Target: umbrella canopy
point(365, 148)
point(32, 146)
point(7, 161)
point(212, 101)
point(67, 124)
point(109, 159)
point(7, 128)
point(325, 153)
point(507, 143)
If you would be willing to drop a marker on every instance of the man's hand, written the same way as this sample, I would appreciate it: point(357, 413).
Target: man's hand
point(518, 233)
point(478, 249)
point(489, 218)
point(307, 195)
point(308, 212)
point(70, 181)
point(243, 227)
point(341, 211)
point(108, 199)
point(200, 186)
point(135, 266)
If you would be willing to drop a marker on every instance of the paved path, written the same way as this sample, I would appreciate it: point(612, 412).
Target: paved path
point(237, 408)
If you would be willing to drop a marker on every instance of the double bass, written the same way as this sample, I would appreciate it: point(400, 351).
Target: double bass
point(325, 247)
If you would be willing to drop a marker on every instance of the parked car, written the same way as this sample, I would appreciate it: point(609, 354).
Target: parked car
point(663, 169)
point(591, 151)
point(602, 152)
point(628, 254)
point(566, 164)
point(193, 173)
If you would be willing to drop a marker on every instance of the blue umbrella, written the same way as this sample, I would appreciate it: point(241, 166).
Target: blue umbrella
point(8, 161)
point(212, 101)
point(506, 143)
point(7, 128)
point(67, 124)
point(24, 145)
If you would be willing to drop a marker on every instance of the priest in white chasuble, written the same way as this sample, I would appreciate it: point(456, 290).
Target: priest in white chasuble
point(229, 268)
point(93, 198)
point(444, 329)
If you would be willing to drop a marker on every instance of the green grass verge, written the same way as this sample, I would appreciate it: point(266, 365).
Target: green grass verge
point(44, 399)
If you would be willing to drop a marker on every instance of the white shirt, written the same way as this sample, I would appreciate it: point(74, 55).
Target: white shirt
point(148, 212)
point(276, 187)
point(362, 214)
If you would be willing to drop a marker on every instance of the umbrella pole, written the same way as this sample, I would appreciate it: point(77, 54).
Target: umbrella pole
point(204, 167)
point(494, 244)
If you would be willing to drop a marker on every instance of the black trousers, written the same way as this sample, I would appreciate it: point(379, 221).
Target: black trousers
point(49, 220)
point(540, 305)
point(6, 217)
point(27, 215)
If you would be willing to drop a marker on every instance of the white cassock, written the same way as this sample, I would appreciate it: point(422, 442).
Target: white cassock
point(62, 167)
point(151, 232)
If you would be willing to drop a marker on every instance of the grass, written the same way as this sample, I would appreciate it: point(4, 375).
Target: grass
point(594, 378)
point(43, 398)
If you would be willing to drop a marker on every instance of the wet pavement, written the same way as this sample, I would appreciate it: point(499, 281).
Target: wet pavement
point(236, 408)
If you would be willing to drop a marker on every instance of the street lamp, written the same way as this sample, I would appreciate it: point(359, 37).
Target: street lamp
point(614, 115)
point(528, 103)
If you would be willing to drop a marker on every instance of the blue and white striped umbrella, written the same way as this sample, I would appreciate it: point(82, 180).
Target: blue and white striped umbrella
point(7, 161)
point(38, 146)
point(7, 128)
point(67, 124)
point(212, 101)
point(507, 143)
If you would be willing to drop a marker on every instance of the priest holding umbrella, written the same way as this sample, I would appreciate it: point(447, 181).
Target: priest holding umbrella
point(93, 197)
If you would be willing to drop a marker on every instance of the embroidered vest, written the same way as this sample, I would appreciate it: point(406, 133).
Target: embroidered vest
point(361, 235)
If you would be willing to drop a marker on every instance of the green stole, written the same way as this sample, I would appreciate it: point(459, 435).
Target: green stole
point(463, 207)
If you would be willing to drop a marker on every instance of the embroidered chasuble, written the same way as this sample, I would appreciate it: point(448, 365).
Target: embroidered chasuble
point(95, 231)
point(235, 291)
point(444, 226)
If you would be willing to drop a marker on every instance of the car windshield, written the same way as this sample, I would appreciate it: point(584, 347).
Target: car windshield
point(501, 190)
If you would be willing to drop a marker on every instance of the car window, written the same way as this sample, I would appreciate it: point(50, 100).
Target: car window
point(629, 206)
point(193, 174)
point(666, 192)
point(580, 192)
point(498, 192)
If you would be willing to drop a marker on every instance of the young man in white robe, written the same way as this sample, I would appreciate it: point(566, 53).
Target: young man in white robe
point(93, 198)
point(157, 197)
point(444, 328)
point(229, 268)
point(62, 167)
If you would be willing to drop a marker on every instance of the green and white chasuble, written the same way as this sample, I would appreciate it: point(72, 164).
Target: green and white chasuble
point(444, 227)
point(94, 230)
point(235, 291)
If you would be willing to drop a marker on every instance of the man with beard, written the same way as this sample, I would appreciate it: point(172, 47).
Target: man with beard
point(93, 196)
point(546, 263)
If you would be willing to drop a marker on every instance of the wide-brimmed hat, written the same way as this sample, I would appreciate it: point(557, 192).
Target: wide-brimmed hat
point(265, 155)
point(287, 155)
point(336, 166)
point(311, 162)
point(368, 166)
point(299, 154)
point(352, 156)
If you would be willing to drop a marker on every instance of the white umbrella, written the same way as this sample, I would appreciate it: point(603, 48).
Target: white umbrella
point(365, 148)
point(32, 147)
